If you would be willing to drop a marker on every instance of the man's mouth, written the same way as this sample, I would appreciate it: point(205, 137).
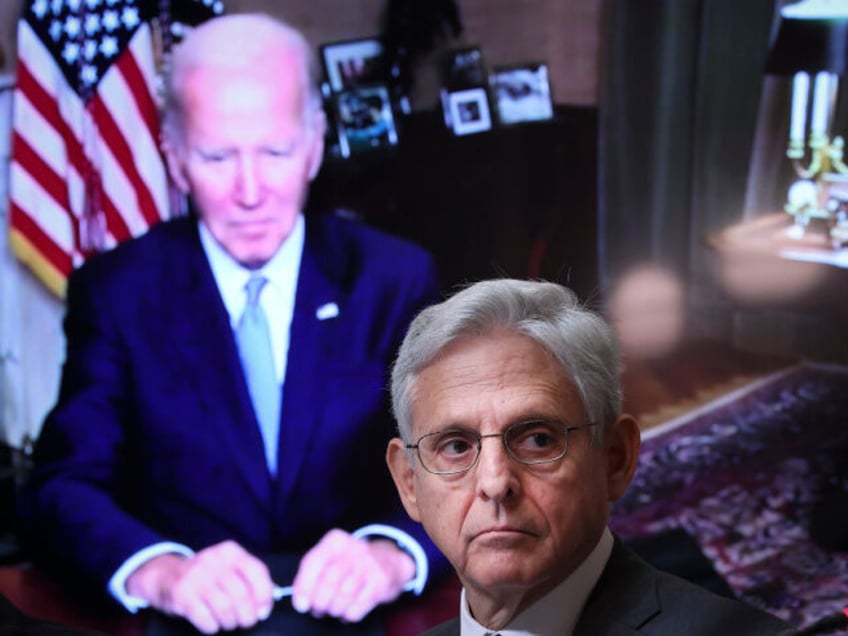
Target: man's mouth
point(502, 535)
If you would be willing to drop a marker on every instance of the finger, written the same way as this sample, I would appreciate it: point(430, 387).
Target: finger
point(361, 591)
point(221, 607)
point(370, 594)
point(371, 583)
point(329, 588)
point(346, 594)
point(343, 574)
point(199, 611)
point(244, 579)
point(241, 605)
point(203, 588)
point(313, 568)
point(213, 579)
point(258, 580)
point(358, 573)
point(258, 588)
point(201, 617)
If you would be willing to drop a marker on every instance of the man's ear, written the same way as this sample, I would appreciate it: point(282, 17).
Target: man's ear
point(621, 447)
point(397, 457)
point(174, 161)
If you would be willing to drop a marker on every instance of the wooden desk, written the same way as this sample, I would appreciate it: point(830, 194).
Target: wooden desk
point(774, 235)
point(38, 597)
point(788, 295)
point(763, 262)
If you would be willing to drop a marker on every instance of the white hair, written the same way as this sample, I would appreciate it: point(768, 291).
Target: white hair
point(550, 314)
point(235, 42)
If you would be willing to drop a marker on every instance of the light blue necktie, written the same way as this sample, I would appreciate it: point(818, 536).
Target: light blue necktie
point(257, 359)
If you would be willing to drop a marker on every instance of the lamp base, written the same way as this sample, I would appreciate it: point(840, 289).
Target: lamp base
point(820, 204)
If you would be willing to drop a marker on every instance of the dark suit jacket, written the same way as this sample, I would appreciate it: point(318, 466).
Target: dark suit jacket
point(633, 597)
point(154, 438)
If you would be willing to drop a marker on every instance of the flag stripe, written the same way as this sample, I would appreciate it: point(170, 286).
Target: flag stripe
point(117, 143)
point(86, 171)
point(67, 192)
point(29, 194)
point(119, 98)
point(41, 243)
point(31, 127)
point(136, 82)
point(116, 223)
point(48, 90)
point(128, 99)
point(47, 106)
point(33, 163)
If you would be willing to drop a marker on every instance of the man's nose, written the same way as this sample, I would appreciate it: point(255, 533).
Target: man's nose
point(249, 182)
point(496, 471)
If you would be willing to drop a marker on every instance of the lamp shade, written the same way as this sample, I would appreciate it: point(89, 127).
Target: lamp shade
point(810, 45)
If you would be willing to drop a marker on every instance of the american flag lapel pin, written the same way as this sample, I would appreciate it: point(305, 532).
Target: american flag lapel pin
point(327, 311)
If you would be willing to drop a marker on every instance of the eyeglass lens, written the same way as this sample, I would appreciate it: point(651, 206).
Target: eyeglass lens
point(528, 442)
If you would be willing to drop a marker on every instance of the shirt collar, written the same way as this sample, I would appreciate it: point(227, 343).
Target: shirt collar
point(557, 612)
point(230, 276)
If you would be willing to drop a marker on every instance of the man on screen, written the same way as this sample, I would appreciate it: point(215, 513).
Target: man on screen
point(173, 472)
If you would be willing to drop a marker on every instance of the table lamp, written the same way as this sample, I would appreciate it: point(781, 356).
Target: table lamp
point(811, 46)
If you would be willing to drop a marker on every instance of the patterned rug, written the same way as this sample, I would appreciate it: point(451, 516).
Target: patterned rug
point(741, 475)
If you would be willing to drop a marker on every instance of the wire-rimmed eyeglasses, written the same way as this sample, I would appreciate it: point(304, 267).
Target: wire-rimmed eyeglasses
point(454, 451)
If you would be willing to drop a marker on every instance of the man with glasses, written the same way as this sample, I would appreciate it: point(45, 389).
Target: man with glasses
point(512, 447)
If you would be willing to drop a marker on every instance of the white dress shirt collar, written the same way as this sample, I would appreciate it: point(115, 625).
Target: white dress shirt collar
point(278, 295)
point(556, 613)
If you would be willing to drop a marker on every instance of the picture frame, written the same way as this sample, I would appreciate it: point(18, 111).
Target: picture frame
point(364, 119)
point(468, 111)
point(463, 68)
point(352, 63)
point(522, 93)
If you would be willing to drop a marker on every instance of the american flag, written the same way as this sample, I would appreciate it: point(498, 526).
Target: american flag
point(86, 171)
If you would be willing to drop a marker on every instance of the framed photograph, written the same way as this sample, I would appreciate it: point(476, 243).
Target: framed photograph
point(522, 93)
point(352, 63)
point(364, 119)
point(469, 111)
point(463, 68)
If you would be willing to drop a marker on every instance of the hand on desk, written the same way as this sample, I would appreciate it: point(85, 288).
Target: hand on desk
point(224, 586)
point(221, 587)
point(346, 577)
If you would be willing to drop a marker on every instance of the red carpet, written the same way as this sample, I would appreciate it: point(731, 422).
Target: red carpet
point(741, 475)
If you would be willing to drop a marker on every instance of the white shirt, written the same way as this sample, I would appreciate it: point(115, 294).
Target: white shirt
point(278, 294)
point(556, 613)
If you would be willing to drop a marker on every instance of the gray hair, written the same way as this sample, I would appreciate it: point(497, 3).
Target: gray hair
point(577, 337)
point(234, 42)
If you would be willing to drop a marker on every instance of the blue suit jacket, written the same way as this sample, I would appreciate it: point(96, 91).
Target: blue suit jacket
point(153, 437)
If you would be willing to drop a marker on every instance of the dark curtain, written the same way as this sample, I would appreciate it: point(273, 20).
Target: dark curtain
point(680, 96)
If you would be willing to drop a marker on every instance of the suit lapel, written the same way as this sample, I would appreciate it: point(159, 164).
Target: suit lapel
point(205, 344)
point(624, 599)
point(320, 297)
